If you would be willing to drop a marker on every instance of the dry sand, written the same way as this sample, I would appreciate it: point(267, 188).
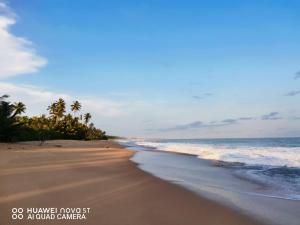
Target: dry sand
point(100, 176)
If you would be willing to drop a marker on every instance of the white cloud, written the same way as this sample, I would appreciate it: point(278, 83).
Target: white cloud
point(17, 55)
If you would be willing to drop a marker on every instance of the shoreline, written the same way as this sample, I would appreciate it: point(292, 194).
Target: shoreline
point(100, 175)
point(230, 189)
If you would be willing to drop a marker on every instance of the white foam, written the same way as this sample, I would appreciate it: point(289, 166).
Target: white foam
point(271, 156)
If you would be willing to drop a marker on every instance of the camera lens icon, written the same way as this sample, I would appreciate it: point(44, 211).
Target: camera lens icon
point(17, 213)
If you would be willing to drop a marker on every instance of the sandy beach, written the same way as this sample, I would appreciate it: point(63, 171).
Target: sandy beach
point(98, 175)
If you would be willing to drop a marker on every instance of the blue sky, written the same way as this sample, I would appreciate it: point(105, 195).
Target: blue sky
point(160, 68)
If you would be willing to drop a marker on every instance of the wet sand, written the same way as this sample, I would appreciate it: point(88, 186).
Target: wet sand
point(100, 176)
point(226, 185)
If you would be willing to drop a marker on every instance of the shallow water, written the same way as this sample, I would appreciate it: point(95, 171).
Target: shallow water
point(230, 184)
point(274, 162)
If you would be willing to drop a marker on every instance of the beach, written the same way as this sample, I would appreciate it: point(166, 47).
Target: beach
point(98, 175)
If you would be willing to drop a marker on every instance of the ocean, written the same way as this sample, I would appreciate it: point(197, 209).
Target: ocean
point(261, 176)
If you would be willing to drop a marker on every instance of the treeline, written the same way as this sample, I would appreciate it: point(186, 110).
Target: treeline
point(57, 125)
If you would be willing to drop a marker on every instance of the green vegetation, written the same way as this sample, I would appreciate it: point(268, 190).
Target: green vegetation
point(57, 125)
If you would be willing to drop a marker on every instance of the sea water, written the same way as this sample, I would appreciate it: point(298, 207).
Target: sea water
point(273, 161)
point(260, 176)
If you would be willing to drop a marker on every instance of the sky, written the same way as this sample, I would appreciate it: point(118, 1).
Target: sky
point(158, 69)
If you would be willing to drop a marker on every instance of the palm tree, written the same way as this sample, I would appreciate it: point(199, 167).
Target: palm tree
point(51, 108)
point(87, 118)
point(76, 106)
point(60, 107)
point(57, 109)
point(19, 108)
point(58, 125)
point(8, 112)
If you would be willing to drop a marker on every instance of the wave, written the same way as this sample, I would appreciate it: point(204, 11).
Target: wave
point(271, 156)
point(277, 168)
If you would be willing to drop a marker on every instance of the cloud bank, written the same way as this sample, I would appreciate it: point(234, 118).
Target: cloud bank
point(199, 124)
point(293, 93)
point(271, 116)
point(17, 55)
point(297, 75)
point(202, 96)
point(222, 123)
